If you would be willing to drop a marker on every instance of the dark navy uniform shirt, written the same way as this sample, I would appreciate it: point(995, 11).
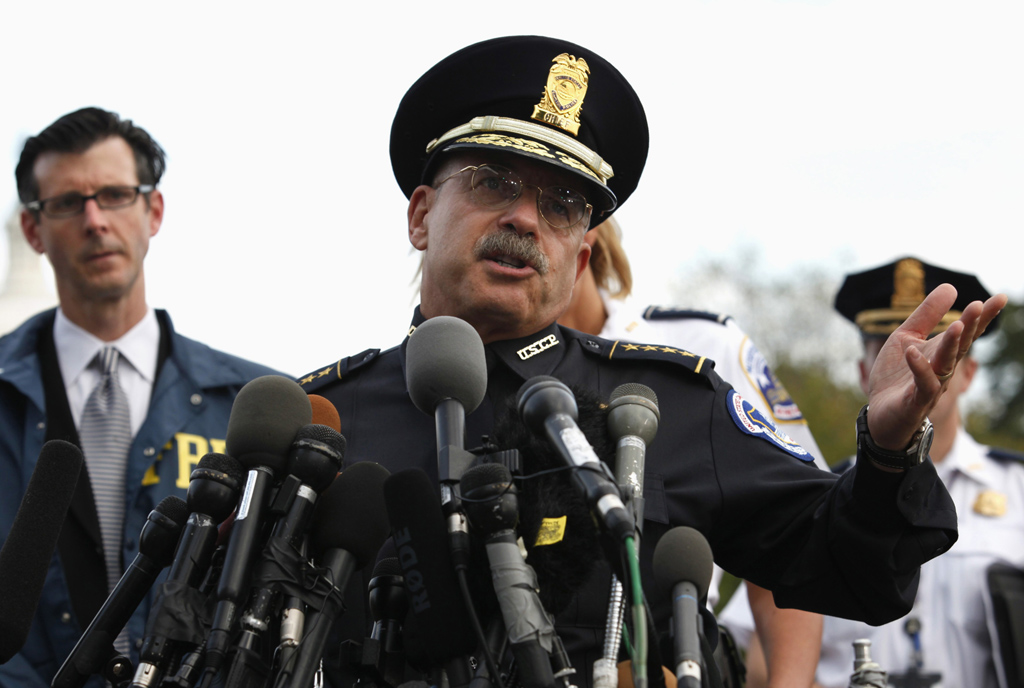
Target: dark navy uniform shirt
point(844, 545)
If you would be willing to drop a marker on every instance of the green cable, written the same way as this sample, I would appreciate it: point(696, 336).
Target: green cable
point(639, 617)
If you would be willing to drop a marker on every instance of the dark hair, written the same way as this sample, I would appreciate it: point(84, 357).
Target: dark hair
point(79, 130)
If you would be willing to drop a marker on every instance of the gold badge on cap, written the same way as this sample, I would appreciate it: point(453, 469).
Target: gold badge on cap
point(563, 95)
point(990, 503)
point(908, 291)
point(908, 284)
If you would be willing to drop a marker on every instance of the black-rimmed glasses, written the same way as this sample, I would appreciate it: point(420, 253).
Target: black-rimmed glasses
point(72, 203)
point(497, 187)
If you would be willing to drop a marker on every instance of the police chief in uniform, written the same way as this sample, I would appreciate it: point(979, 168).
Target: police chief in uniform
point(509, 150)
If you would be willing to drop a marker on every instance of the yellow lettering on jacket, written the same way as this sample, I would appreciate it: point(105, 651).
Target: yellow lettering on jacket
point(191, 448)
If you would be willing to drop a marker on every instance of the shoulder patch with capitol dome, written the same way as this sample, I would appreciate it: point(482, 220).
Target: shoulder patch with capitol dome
point(751, 421)
point(776, 396)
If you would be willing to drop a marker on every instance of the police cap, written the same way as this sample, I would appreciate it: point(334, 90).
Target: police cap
point(543, 98)
point(877, 301)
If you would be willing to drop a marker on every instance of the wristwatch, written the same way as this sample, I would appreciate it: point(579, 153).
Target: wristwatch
point(912, 456)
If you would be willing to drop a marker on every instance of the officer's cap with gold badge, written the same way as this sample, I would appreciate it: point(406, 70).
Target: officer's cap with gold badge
point(543, 98)
point(877, 301)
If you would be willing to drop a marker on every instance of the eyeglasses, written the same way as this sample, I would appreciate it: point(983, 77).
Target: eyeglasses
point(72, 203)
point(498, 187)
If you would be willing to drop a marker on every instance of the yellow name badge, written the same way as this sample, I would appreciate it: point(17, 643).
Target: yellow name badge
point(552, 530)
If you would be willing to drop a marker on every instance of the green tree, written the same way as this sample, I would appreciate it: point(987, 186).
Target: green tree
point(1006, 374)
point(829, 407)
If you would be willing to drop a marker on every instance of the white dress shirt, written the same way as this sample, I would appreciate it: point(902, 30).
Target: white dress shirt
point(138, 348)
point(956, 635)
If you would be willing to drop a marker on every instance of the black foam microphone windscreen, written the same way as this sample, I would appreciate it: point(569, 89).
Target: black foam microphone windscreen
point(683, 554)
point(351, 513)
point(266, 414)
point(682, 567)
point(444, 359)
point(316, 456)
point(29, 546)
point(438, 627)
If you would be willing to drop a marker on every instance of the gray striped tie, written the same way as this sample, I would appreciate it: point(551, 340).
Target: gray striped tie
point(106, 435)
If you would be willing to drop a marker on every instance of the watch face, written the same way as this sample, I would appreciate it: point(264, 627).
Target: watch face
point(926, 441)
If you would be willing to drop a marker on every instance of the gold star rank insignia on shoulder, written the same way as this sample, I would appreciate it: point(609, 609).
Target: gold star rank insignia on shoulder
point(620, 350)
point(563, 95)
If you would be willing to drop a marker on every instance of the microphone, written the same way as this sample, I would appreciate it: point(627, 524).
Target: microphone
point(324, 412)
point(314, 461)
point(380, 658)
point(492, 505)
point(682, 566)
point(349, 527)
point(387, 597)
point(265, 416)
point(548, 408)
point(179, 611)
point(438, 629)
point(29, 546)
point(632, 422)
point(95, 648)
point(446, 373)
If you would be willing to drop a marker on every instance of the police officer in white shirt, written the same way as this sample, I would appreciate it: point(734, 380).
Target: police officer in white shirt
point(791, 635)
point(949, 639)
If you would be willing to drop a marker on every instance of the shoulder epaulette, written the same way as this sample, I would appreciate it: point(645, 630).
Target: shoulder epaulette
point(662, 313)
point(618, 350)
point(337, 371)
point(1000, 454)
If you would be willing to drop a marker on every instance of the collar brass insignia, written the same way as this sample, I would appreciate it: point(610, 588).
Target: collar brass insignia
point(538, 346)
point(563, 95)
point(991, 503)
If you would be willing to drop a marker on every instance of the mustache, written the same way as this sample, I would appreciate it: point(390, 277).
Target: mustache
point(513, 245)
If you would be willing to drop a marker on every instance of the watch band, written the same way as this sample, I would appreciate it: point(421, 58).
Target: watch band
point(913, 455)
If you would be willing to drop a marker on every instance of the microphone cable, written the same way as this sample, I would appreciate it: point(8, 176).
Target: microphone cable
point(474, 619)
point(639, 656)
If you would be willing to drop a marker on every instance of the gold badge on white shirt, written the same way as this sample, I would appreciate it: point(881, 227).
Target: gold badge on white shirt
point(990, 503)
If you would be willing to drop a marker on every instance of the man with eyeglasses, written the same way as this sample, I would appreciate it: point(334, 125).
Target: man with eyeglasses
point(493, 146)
point(104, 370)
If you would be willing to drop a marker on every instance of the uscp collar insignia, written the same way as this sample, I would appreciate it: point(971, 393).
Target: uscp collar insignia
point(538, 346)
point(751, 421)
point(563, 95)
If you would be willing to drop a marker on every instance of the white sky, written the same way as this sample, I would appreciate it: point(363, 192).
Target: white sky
point(831, 134)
